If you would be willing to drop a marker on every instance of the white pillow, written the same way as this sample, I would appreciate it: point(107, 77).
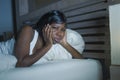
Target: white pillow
point(75, 40)
point(7, 62)
point(6, 47)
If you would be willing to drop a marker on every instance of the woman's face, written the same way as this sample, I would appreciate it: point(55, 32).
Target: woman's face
point(58, 32)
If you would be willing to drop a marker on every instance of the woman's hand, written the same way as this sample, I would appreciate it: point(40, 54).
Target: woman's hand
point(47, 34)
point(69, 48)
point(64, 40)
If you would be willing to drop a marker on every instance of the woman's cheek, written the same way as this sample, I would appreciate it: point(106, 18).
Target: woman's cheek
point(53, 35)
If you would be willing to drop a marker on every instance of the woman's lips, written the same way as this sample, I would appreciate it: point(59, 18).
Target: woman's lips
point(57, 39)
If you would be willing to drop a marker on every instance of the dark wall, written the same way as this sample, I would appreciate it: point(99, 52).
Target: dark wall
point(6, 23)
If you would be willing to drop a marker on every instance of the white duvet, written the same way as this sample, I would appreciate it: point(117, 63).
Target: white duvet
point(74, 69)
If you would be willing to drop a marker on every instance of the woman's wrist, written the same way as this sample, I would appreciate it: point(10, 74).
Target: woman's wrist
point(65, 44)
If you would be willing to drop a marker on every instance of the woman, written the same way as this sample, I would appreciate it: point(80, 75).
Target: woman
point(46, 41)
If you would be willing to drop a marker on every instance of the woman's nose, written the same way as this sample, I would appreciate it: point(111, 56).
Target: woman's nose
point(59, 33)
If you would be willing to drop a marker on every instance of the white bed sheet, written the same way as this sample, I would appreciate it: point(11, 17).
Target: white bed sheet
point(74, 69)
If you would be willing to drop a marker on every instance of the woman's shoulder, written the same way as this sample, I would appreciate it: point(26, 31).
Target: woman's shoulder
point(27, 28)
point(26, 32)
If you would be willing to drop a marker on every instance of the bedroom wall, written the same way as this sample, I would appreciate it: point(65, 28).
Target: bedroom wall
point(6, 23)
point(114, 18)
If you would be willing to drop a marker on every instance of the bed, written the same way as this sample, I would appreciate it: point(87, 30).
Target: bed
point(71, 69)
point(57, 70)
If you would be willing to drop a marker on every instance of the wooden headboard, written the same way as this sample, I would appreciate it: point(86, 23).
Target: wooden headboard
point(90, 19)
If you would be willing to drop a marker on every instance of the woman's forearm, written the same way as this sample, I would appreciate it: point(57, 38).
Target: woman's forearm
point(28, 60)
point(73, 51)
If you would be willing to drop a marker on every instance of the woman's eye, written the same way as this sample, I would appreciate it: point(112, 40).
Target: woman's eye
point(54, 28)
point(63, 30)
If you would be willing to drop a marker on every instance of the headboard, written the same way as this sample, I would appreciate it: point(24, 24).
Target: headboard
point(90, 19)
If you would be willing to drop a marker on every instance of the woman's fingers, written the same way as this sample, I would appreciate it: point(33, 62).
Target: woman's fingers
point(50, 33)
point(47, 32)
